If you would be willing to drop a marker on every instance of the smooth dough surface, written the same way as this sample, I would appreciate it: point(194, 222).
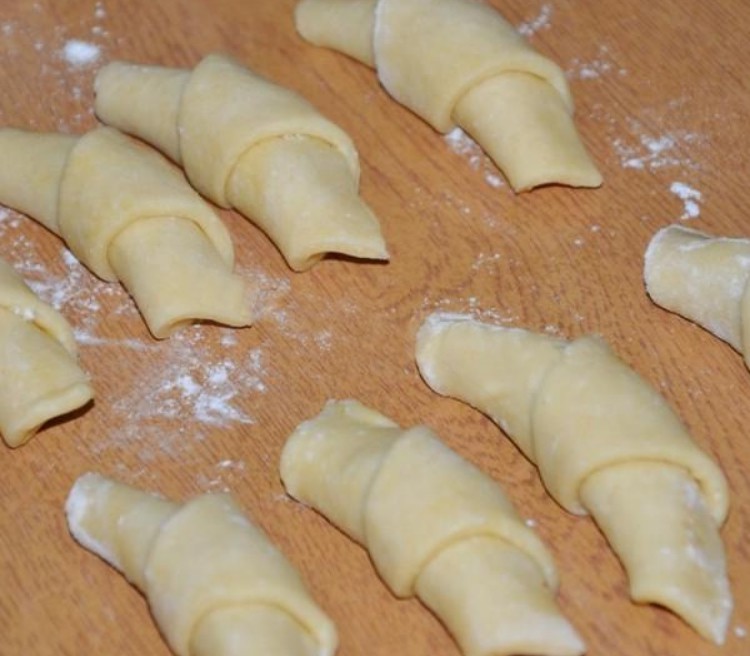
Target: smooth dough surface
point(228, 128)
point(110, 182)
point(40, 378)
point(209, 574)
point(427, 518)
point(320, 22)
point(704, 279)
point(301, 194)
point(593, 426)
point(429, 53)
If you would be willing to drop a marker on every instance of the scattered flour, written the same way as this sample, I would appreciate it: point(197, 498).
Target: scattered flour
point(455, 309)
point(216, 481)
point(655, 151)
point(740, 631)
point(541, 22)
point(691, 199)
point(80, 53)
point(594, 69)
point(485, 259)
point(181, 381)
point(462, 144)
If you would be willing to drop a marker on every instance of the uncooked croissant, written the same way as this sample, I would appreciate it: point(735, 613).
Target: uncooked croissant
point(704, 279)
point(606, 443)
point(128, 215)
point(459, 62)
point(215, 584)
point(39, 374)
point(434, 525)
point(252, 145)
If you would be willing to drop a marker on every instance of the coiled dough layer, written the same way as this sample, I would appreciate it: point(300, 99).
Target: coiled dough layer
point(253, 145)
point(40, 378)
point(606, 443)
point(434, 525)
point(215, 584)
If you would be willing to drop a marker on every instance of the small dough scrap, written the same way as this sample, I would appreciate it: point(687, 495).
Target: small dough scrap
point(606, 443)
point(704, 279)
point(40, 378)
point(215, 584)
point(228, 128)
point(129, 216)
point(459, 62)
point(434, 525)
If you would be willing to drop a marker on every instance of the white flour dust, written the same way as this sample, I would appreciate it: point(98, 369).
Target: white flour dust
point(79, 53)
point(540, 22)
point(691, 199)
point(650, 152)
point(594, 69)
point(182, 381)
point(462, 144)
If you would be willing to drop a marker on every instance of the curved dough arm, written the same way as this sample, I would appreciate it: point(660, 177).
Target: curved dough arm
point(434, 525)
point(129, 216)
point(229, 128)
point(39, 374)
point(592, 425)
point(704, 279)
point(215, 584)
point(460, 62)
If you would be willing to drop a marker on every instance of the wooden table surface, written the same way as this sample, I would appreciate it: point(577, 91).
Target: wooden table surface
point(662, 103)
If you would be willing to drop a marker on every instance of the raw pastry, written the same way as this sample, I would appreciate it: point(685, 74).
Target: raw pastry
point(252, 145)
point(459, 62)
point(434, 526)
point(704, 279)
point(215, 584)
point(128, 215)
point(606, 443)
point(39, 374)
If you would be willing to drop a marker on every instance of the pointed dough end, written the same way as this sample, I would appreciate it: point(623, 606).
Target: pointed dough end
point(78, 507)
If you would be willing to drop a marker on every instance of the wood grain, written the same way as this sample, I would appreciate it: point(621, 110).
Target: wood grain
point(662, 97)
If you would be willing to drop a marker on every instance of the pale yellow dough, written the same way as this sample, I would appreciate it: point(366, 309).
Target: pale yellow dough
point(215, 584)
point(230, 129)
point(704, 279)
point(459, 62)
point(39, 374)
point(434, 525)
point(128, 215)
point(606, 443)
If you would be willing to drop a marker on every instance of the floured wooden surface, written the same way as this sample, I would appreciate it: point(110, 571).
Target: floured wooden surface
point(660, 104)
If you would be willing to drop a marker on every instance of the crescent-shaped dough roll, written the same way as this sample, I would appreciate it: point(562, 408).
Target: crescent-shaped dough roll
point(606, 443)
point(39, 374)
point(459, 62)
point(252, 145)
point(215, 584)
point(128, 215)
point(704, 279)
point(434, 525)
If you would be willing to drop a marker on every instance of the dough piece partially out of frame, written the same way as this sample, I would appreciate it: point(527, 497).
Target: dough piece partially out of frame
point(704, 279)
point(39, 374)
point(128, 215)
point(606, 443)
point(434, 525)
point(252, 145)
point(215, 584)
point(459, 62)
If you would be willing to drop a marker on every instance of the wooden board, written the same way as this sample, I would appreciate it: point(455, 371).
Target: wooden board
point(662, 99)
